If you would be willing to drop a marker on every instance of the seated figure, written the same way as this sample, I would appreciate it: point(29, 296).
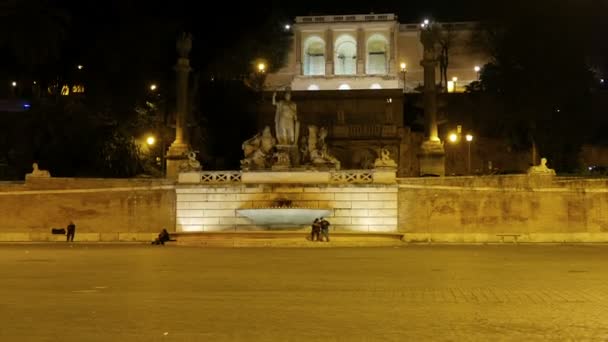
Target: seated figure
point(541, 169)
point(37, 173)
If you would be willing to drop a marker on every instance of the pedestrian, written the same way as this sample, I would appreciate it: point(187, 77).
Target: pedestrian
point(316, 230)
point(71, 231)
point(325, 229)
point(163, 237)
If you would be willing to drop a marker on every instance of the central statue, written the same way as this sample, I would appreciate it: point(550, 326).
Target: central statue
point(286, 121)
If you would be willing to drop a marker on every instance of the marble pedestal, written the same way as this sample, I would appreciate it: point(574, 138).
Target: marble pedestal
point(432, 158)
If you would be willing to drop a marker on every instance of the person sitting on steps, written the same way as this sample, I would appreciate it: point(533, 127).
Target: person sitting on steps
point(163, 237)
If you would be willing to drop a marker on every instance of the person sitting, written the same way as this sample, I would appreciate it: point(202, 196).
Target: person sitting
point(163, 237)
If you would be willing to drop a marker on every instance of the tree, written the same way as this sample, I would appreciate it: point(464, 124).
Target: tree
point(540, 79)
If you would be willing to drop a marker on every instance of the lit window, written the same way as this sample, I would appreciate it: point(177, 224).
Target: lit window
point(79, 88)
point(314, 56)
point(345, 55)
point(377, 46)
point(344, 87)
point(65, 90)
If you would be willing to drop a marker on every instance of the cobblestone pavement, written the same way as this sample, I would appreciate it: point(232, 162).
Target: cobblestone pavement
point(104, 292)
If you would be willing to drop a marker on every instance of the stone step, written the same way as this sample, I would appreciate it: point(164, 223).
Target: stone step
point(284, 239)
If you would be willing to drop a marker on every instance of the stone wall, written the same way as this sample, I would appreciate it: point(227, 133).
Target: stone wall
point(354, 207)
point(476, 209)
point(102, 209)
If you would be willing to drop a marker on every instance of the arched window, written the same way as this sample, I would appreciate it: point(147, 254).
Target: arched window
point(314, 56)
point(377, 52)
point(345, 60)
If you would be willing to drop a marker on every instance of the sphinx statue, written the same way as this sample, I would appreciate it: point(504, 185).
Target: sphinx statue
point(385, 159)
point(541, 169)
point(37, 173)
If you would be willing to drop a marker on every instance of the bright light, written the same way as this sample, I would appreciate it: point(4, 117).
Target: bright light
point(454, 79)
point(389, 100)
point(477, 68)
point(344, 86)
point(469, 137)
point(601, 80)
point(403, 66)
point(150, 140)
point(287, 27)
point(426, 21)
point(453, 137)
point(375, 86)
point(79, 67)
point(450, 86)
point(313, 87)
point(153, 87)
point(14, 84)
point(261, 67)
point(26, 105)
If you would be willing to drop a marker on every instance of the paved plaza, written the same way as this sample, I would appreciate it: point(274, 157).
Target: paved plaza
point(109, 292)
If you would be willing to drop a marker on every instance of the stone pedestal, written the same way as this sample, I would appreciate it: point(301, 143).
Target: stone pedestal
point(175, 158)
point(432, 158)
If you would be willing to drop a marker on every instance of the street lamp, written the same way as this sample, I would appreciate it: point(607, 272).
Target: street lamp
point(153, 87)
point(477, 69)
point(404, 72)
point(150, 140)
point(14, 84)
point(454, 80)
point(79, 66)
point(469, 139)
point(261, 68)
point(453, 137)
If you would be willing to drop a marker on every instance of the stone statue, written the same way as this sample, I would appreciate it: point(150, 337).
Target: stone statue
point(37, 173)
point(317, 148)
point(184, 44)
point(385, 159)
point(258, 150)
point(541, 169)
point(192, 164)
point(287, 126)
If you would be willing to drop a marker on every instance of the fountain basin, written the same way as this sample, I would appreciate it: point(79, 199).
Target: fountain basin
point(283, 216)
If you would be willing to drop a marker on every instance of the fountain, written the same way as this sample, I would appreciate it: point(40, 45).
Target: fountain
point(282, 214)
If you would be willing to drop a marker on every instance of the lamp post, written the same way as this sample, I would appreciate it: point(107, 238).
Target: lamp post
point(469, 139)
point(454, 80)
point(404, 72)
point(477, 69)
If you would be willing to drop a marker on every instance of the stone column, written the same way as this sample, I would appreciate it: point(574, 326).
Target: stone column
point(432, 153)
point(329, 52)
point(360, 51)
point(176, 155)
point(298, 51)
point(392, 53)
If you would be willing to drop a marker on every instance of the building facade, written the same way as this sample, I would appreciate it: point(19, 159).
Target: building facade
point(369, 51)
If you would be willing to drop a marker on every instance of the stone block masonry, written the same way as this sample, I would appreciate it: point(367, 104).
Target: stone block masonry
point(354, 207)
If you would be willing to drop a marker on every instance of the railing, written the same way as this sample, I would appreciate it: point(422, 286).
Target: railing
point(364, 131)
point(343, 18)
point(214, 177)
point(352, 176)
